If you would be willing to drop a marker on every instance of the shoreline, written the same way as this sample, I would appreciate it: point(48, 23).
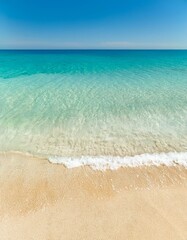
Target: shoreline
point(40, 200)
point(107, 162)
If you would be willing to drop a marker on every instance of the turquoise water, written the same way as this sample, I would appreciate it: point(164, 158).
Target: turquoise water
point(72, 103)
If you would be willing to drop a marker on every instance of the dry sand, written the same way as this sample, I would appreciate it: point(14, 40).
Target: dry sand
point(43, 201)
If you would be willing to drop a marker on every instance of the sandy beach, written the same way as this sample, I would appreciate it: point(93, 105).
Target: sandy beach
point(44, 201)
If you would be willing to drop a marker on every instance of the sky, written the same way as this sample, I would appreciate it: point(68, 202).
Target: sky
point(98, 24)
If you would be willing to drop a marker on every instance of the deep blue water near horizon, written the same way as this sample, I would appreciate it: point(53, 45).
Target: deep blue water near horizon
point(93, 102)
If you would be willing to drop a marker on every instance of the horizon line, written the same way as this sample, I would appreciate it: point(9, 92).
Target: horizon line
point(78, 49)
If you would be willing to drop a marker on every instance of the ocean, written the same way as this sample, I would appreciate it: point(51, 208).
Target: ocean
point(107, 107)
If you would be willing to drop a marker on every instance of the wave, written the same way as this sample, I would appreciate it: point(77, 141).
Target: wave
point(109, 162)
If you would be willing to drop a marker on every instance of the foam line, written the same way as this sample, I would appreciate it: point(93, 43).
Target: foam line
point(113, 163)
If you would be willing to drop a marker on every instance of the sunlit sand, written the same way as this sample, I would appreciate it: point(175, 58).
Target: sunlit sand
point(40, 200)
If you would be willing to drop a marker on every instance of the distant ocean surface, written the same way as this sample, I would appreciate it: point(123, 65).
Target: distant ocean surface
point(78, 104)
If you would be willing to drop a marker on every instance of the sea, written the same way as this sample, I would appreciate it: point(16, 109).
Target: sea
point(103, 108)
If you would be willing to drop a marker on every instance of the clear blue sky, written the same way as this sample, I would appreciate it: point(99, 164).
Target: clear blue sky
point(93, 24)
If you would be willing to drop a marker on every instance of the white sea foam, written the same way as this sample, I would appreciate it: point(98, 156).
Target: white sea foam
point(113, 163)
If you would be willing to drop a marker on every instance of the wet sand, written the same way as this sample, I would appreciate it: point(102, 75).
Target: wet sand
point(44, 201)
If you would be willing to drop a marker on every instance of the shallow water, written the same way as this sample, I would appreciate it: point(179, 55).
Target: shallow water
point(92, 103)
